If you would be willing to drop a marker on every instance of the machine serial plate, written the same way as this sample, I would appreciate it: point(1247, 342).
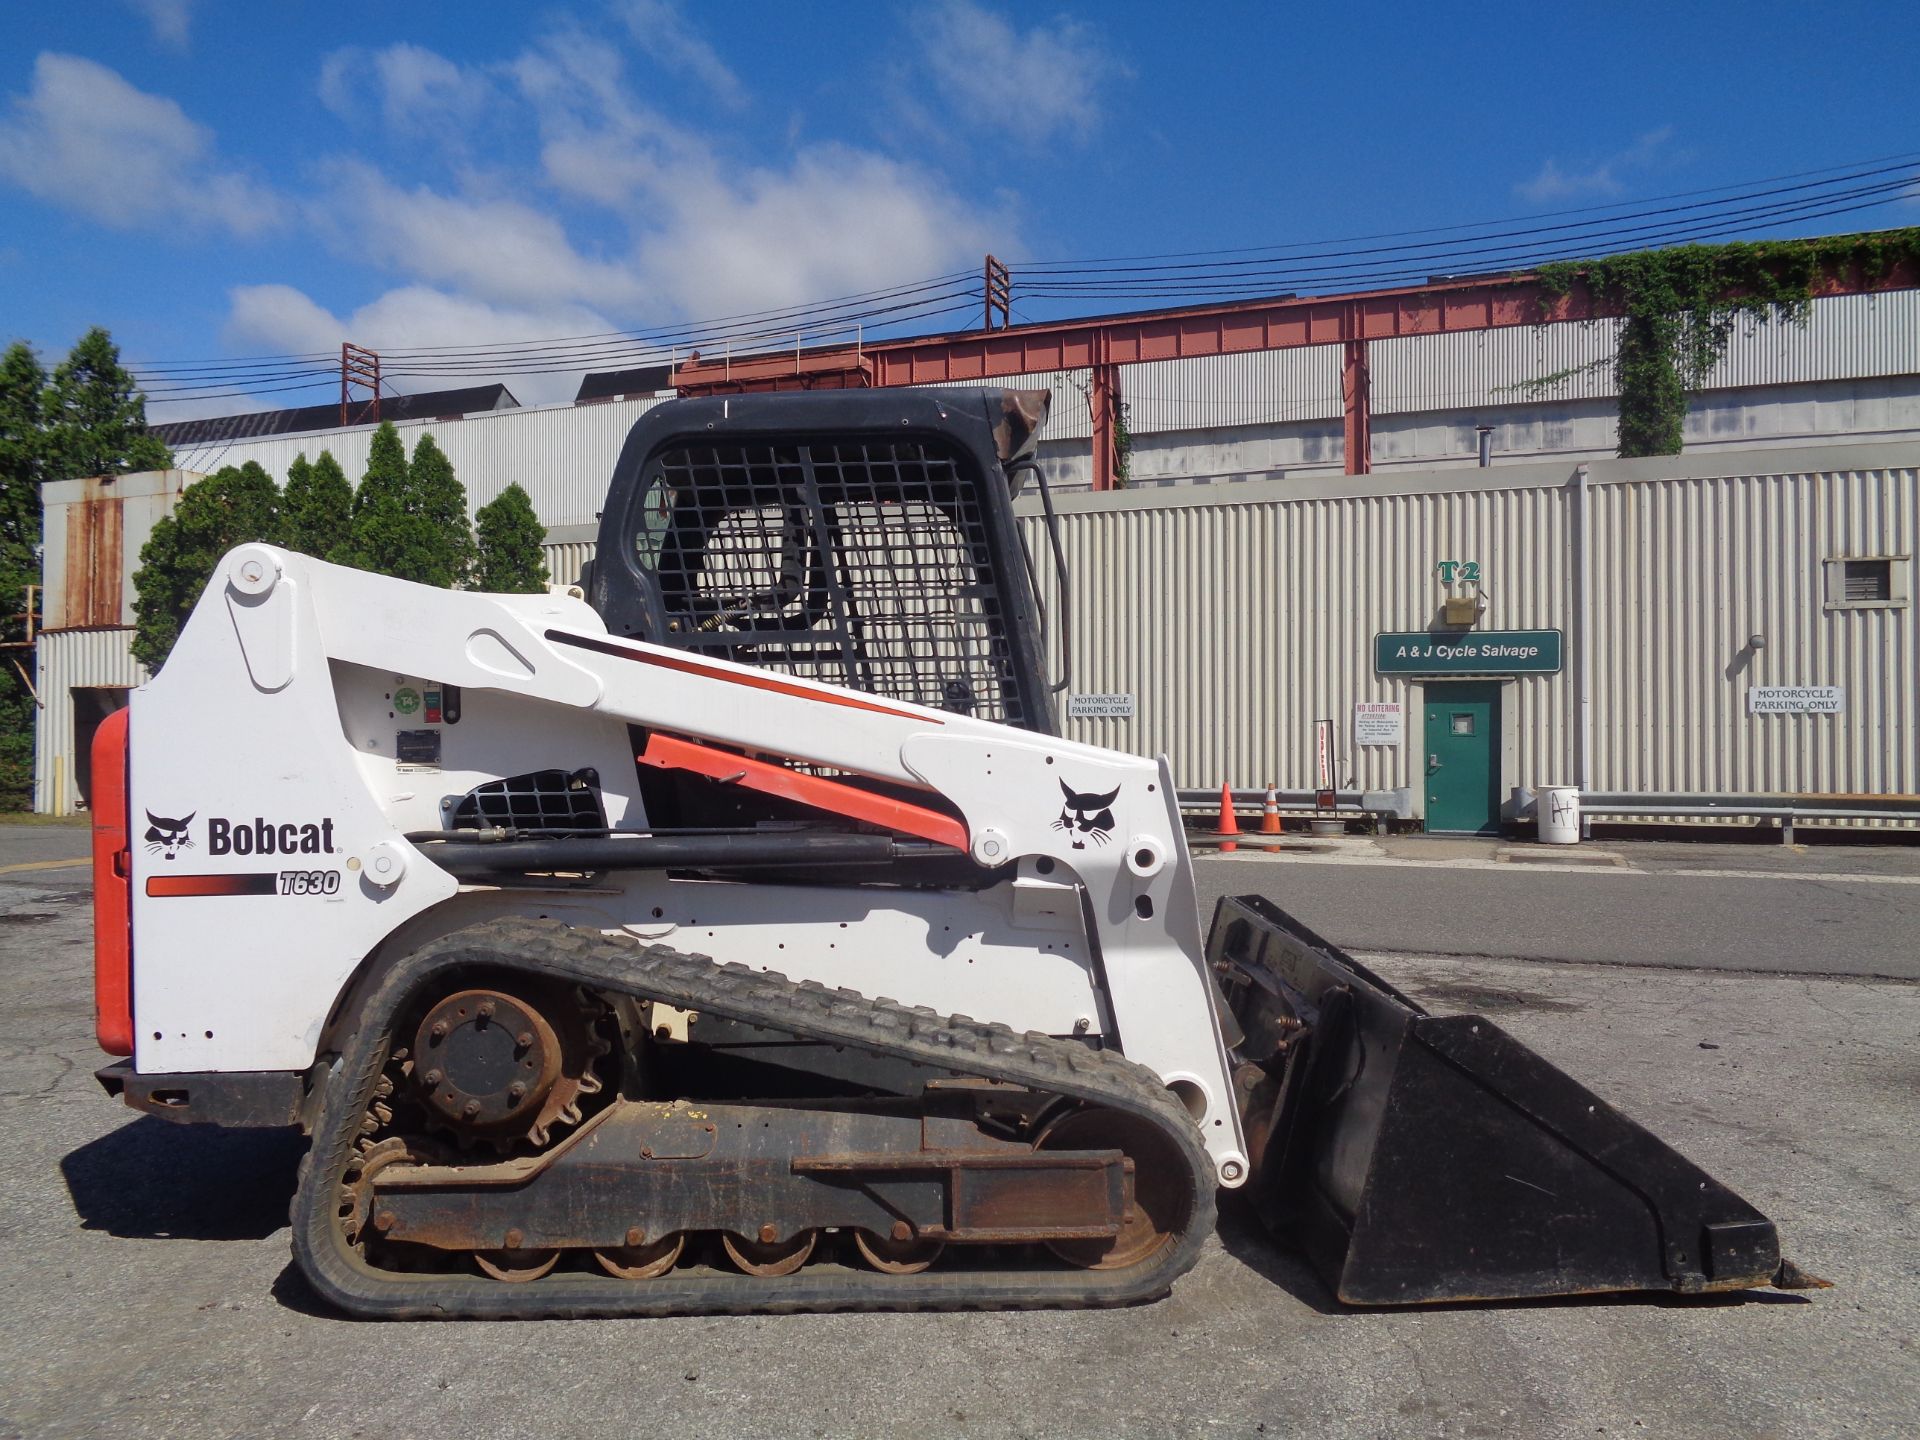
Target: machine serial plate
point(419, 748)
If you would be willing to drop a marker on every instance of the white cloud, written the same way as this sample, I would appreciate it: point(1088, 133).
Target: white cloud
point(1601, 179)
point(839, 221)
point(172, 20)
point(1041, 81)
point(658, 27)
point(281, 319)
point(84, 139)
point(496, 249)
point(413, 89)
point(712, 239)
point(599, 145)
point(686, 232)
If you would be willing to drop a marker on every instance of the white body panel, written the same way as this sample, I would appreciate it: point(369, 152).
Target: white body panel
point(278, 722)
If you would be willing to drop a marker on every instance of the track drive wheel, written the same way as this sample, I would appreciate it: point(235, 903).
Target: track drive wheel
point(1156, 1212)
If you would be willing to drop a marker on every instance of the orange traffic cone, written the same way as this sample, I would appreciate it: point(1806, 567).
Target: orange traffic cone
point(1228, 824)
point(1270, 814)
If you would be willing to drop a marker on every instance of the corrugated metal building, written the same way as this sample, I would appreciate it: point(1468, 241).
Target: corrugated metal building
point(1749, 625)
point(1241, 522)
point(1234, 617)
point(1853, 372)
point(91, 531)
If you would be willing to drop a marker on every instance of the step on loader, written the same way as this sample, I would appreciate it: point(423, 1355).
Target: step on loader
point(736, 931)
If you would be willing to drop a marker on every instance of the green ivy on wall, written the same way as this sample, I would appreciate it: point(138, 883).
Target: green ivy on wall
point(1122, 445)
point(1682, 305)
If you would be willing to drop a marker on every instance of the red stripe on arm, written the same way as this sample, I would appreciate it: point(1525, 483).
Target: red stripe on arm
point(667, 753)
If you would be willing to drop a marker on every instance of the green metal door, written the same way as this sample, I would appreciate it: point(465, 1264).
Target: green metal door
point(1463, 757)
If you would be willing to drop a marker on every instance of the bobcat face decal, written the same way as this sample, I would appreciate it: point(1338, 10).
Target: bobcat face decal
point(168, 837)
point(1087, 816)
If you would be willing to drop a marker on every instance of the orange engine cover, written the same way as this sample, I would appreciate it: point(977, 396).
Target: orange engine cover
point(112, 889)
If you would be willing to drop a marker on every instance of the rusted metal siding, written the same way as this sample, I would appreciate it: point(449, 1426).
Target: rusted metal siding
point(92, 531)
point(71, 660)
point(90, 585)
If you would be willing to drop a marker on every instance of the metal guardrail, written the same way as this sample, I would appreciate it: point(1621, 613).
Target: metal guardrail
point(1596, 804)
point(1391, 804)
point(1691, 805)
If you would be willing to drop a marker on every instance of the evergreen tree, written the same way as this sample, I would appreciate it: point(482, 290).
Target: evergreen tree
point(228, 508)
point(511, 561)
point(391, 533)
point(442, 499)
point(97, 417)
point(317, 512)
point(88, 418)
point(23, 465)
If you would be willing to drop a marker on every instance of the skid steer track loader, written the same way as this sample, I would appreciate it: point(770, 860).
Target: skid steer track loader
point(563, 925)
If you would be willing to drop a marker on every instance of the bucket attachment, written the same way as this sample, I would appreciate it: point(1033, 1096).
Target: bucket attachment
point(1419, 1158)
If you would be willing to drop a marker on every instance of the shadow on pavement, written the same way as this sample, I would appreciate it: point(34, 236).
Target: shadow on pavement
point(1246, 1239)
point(292, 1292)
point(152, 1180)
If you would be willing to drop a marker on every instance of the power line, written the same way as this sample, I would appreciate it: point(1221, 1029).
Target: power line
point(607, 357)
point(548, 356)
point(1478, 247)
point(773, 318)
point(1612, 235)
point(1383, 274)
point(1909, 158)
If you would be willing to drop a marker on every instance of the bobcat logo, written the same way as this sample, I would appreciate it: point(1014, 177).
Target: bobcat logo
point(1087, 815)
point(167, 835)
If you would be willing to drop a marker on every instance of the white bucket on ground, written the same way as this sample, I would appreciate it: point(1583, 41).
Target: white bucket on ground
point(1556, 809)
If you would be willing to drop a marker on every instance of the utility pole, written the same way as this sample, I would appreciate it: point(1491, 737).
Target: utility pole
point(359, 366)
point(996, 286)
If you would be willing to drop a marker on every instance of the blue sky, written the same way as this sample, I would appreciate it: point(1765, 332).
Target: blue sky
point(216, 179)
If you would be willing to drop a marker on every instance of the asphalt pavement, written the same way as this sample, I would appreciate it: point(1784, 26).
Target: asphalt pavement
point(1813, 910)
point(149, 1290)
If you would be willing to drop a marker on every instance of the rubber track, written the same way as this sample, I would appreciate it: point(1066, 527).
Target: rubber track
point(808, 1009)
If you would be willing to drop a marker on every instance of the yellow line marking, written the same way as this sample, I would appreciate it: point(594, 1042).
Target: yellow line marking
point(45, 865)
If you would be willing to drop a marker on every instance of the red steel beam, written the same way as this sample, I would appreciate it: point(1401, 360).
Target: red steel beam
point(1230, 328)
point(1223, 329)
point(1356, 396)
point(1103, 402)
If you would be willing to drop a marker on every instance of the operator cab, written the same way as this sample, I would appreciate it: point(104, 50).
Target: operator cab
point(864, 539)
